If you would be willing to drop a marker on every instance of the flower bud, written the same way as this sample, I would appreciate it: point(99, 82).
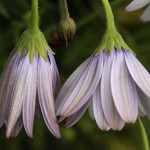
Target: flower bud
point(66, 29)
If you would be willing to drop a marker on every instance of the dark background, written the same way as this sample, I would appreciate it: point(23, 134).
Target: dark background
point(90, 18)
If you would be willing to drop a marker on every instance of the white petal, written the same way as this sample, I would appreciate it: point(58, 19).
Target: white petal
point(145, 102)
point(84, 88)
point(69, 86)
point(17, 127)
point(73, 119)
point(141, 110)
point(6, 85)
point(91, 113)
point(124, 89)
point(138, 73)
point(98, 110)
point(55, 73)
point(18, 94)
point(137, 4)
point(30, 98)
point(110, 112)
point(146, 15)
point(45, 93)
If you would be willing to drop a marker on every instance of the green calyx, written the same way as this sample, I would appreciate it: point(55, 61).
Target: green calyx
point(112, 38)
point(33, 43)
point(111, 41)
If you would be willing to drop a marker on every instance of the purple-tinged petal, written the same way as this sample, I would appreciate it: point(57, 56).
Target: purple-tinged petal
point(29, 99)
point(145, 102)
point(18, 94)
point(55, 73)
point(145, 16)
point(110, 111)
point(123, 89)
point(138, 73)
point(91, 113)
point(141, 110)
point(45, 93)
point(6, 85)
point(69, 86)
point(84, 88)
point(38, 112)
point(98, 110)
point(73, 119)
point(17, 127)
point(137, 4)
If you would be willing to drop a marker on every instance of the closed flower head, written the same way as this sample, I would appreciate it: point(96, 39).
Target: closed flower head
point(111, 83)
point(30, 80)
point(67, 27)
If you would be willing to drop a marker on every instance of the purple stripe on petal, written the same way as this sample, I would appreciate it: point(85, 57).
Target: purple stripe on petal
point(69, 86)
point(55, 73)
point(17, 127)
point(138, 73)
point(29, 99)
point(73, 119)
point(98, 110)
point(45, 93)
point(85, 87)
point(110, 112)
point(6, 85)
point(123, 89)
point(18, 93)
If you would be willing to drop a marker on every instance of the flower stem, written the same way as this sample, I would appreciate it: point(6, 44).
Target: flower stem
point(34, 26)
point(66, 11)
point(144, 135)
point(110, 18)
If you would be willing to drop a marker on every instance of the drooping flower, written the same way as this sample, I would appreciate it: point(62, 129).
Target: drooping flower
point(111, 82)
point(137, 4)
point(31, 72)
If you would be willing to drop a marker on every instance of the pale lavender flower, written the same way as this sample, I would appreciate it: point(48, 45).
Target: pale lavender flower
point(112, 85)
point(21, 83)
point(137, 4)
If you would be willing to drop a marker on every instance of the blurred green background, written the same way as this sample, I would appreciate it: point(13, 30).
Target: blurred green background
point(90, 18)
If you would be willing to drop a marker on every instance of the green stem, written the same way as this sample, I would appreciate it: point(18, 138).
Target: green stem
point(66, 11)
point(34, 26)
point(110, 18)
point(144, 135)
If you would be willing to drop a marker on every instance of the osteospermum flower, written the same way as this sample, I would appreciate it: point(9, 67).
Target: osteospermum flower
point(137, 4)
point(30, 73)
point(112, 82)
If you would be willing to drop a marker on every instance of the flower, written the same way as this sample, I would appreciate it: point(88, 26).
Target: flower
point(31, 72)
point(21, 81)
point(137, 4)
point(111, 83)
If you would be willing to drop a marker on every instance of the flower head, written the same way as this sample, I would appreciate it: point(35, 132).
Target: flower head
point(137, 4)
point(111, 82)
point(30, 73)
point(66, 29)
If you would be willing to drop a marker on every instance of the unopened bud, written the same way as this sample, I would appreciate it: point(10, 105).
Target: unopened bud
point(66, 29)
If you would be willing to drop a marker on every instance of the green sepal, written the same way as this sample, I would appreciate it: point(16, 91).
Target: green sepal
point(111, 41)
point(33, 43)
